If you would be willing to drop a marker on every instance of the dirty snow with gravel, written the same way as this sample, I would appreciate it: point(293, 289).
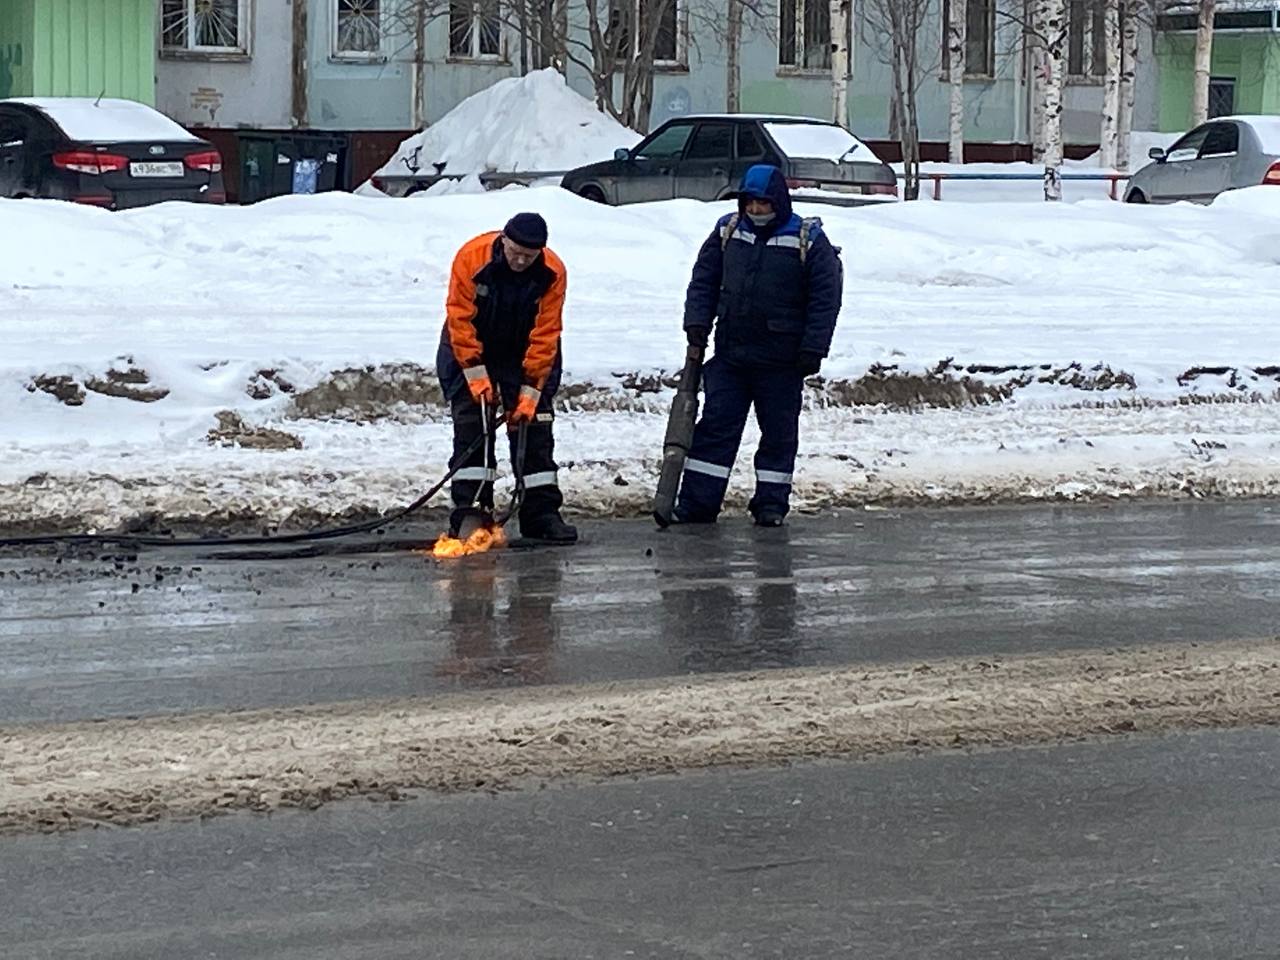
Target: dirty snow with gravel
point(1003, 351)
point(125, 772)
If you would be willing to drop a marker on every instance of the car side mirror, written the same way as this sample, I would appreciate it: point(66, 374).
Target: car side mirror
point(1157, 154)
point(622, 153)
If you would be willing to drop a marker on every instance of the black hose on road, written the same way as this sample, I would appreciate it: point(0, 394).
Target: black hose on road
point(133, 539)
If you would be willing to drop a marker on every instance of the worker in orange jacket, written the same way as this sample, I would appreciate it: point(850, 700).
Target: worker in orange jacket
point(501, 342)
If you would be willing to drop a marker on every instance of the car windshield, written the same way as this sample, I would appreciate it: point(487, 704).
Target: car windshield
point(668, 143)
point(107, 120)
point(824, 141)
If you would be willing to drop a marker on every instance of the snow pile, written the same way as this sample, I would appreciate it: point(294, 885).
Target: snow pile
point(1262, 200)
point(336, 279)
point(534, 122)
point(1095, 339)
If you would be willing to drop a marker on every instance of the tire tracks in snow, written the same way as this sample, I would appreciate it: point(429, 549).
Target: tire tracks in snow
point(64, 777)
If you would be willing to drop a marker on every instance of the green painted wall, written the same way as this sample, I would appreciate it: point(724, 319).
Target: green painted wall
point(1253, 60)
point(1271, 86)
point(17, 39)
point(78, 48)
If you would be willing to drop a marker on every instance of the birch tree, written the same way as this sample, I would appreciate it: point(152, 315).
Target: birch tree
point(1111, 86)
point(1128, 76)
point(1204, 59)
point(840, 61)
point(1045, 31)
point(893, 28)
point(733, 57)
point(1054, 18)
point(957, 44)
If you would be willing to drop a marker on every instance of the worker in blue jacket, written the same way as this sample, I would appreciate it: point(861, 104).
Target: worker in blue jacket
point(770, 284)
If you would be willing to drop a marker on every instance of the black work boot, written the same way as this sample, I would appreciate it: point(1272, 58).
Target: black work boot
point(464, 521)
point(769, 518)
point(549, 527)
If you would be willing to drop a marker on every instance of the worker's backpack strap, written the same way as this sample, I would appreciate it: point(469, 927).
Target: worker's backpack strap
point(727, 230)
point(806, 228)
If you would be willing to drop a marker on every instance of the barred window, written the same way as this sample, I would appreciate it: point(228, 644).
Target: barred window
point(804, 34)
point(212, 26)
point(358, 28)
point(475, 29)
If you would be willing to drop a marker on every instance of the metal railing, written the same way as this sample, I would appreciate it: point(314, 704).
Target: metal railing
point(1112, 178)
point(415, 182)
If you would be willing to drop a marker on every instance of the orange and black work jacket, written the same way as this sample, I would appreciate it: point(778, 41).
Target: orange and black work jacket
point(502, 320)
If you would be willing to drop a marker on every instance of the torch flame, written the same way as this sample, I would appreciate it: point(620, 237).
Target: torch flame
point(485, 538)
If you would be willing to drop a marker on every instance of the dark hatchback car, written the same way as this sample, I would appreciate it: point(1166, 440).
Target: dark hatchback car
point(704, 158)
point(109, 153)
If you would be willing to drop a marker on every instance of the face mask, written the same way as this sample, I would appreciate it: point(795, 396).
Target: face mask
point(761, 219)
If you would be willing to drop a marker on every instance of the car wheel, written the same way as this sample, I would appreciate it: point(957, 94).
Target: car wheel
point(1136, 196)
point(594, 194)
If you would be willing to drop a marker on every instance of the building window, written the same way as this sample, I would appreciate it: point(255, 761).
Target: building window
point(204, 26)
point(804, 34)
point(475, 30)
point(668, 50)
point(1086, 40)
point(1268, 19)
point(670, 45)
point(1222, 98)
point(979, 39)
point(358, 29)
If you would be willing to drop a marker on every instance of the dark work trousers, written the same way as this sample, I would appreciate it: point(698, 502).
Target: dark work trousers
point(732, 389)
point(473, 483)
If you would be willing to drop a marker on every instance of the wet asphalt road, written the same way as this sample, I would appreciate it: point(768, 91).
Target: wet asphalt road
point(1125, 850)
point(89, 636)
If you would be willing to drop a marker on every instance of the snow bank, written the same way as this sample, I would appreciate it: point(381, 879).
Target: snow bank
point(534, 122)
point(1262, 200)
point(337, 279)
point(127, 333)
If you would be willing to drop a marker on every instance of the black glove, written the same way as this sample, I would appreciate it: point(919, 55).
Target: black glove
point(697, 336)
point(807, 364)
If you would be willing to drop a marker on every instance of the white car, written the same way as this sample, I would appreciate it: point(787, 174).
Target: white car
point(1228, 153)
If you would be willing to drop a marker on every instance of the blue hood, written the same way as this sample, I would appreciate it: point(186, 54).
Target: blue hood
point(765, 182)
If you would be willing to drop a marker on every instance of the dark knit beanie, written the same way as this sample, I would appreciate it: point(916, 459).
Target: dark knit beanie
point(528, 230)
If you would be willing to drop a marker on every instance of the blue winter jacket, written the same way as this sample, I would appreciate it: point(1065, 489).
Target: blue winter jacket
point(766, 306)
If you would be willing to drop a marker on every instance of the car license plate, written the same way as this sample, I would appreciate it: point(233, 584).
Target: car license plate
point(169, 168)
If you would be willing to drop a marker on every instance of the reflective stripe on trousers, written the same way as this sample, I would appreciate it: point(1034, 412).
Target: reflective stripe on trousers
point(545, 478)
point(710, 469)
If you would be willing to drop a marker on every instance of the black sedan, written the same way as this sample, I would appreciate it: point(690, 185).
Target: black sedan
point(704, 158)
point(109, 153)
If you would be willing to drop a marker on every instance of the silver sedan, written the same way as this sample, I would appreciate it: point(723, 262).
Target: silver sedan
point(1224, 154)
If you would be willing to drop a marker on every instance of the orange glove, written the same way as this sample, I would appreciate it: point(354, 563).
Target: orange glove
point(527, 406)
point(478, 383)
